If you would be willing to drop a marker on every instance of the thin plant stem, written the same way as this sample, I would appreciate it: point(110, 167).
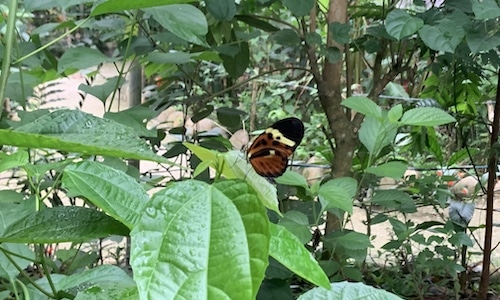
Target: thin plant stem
point(9, 41)
point(23, 273)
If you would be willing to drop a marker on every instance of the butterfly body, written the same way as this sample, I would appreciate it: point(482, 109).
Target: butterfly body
point(270, 151)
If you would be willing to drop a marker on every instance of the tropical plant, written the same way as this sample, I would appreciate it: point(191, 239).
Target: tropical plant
point(232, 234)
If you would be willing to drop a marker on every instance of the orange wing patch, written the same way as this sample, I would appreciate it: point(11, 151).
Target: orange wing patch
point(270, 151)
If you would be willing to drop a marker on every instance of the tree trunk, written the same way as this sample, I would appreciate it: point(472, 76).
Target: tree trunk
point(339, 119)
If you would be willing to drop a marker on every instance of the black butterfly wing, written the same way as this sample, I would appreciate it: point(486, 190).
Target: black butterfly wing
point(291, 128)
point(270, 151)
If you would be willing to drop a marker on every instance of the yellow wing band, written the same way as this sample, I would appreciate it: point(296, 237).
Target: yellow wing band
point(280, 137)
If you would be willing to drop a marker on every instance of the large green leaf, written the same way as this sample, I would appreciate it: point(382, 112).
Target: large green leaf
point(103, 91)
point(444, 36)
point(297, 223)
point(286, 37)
point(183, 20)
point(399, 24)
point(113, 191)
point(194, 242)
point(257, 23)
point(135, 117)
point(290, 252)
point(460, 239)
point(14, 160)
point(7, 197)
point(17, 91)
point(375, 134)
point(23, 258)
point(292, 178)
point(62, 224)
point(223, 10)
point(81, 58)
point(353, 240)
point(333, 54)
point(340, 32)
point(14, 208)
point(32, 5)
point(76, 131)
point(395, 199)
point(256, 222)
point(95, 279)
point(392, 169)
point(338, 193)
point(395, 113)
point(241, 169)
point(462, 155)
point(236, 64)
point(111, 6)
point(299, 8)
point(230, 117)
point(363, 105)
point(169, 58)
point(485, 9)
point(479, 39)
point(232, 164)
point(109, 290)
point(348, 290)
point(426, 116)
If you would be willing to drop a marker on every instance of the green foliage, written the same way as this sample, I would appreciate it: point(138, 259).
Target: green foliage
point(399, 24)
point(286, 249)
point(214, 231)
point(392, 169)
point(103, 186)
point(338, 193)
point(80, 58)
point(183, 20)
point(236, 235)
point(103, 280)
point(197, 258)
point(76, 224)
point(352, 290)
point(486, 10)
point(75, 131)
point(103, 91)
point(380, 127)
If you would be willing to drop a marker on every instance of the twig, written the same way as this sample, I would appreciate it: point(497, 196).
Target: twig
point(492, 166)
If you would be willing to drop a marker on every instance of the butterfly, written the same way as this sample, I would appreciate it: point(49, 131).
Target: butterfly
point(269, 152)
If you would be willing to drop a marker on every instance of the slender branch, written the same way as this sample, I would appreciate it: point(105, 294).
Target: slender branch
point(388, 77)
point(492, 166)
point(328, 138)
point(313, 60)
point(45, 268)
point(241, 83)
point(52, 42)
